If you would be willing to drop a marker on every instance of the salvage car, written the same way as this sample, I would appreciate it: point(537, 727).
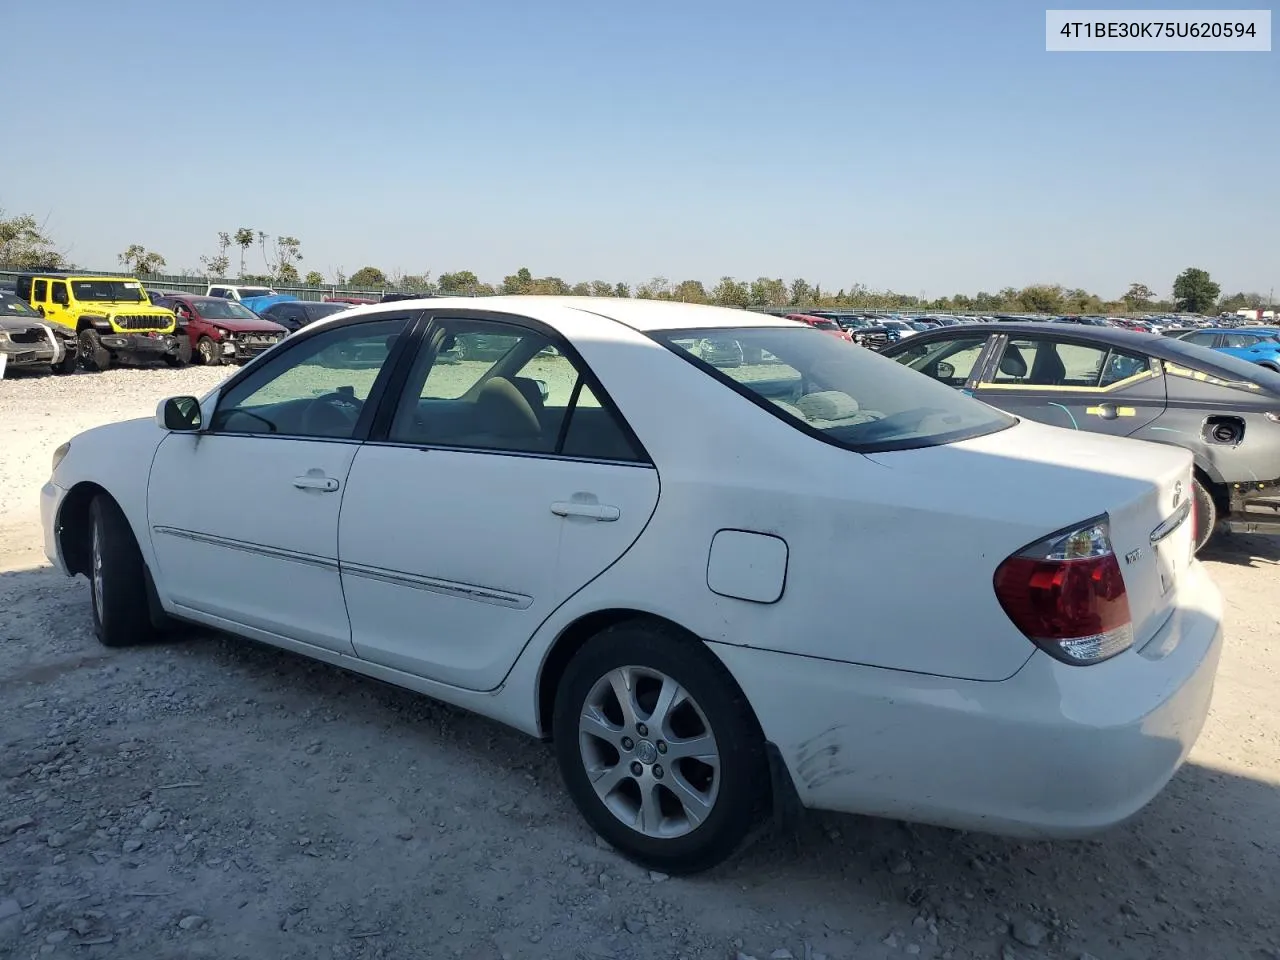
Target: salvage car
point(220, 330)
point(1226, 411)
point(27, 341)
point(293, 315)
point(111, 317)
point(746, 631)
point(1259, 345)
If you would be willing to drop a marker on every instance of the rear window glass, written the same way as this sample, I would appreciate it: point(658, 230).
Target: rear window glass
point(1221, 366)
point(844, 393)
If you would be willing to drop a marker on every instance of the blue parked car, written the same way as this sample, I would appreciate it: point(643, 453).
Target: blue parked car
point(1260, 345)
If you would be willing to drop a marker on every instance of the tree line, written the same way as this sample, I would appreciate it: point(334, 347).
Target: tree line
point(24, 244)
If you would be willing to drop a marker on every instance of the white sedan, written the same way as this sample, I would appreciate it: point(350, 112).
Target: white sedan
point(717, 589)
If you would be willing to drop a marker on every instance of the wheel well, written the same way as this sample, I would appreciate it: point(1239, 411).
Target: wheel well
point(1221, 496)
point(572, 639)
point(73, 526)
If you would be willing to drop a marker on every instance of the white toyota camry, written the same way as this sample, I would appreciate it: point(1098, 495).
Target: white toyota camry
point(718, 580)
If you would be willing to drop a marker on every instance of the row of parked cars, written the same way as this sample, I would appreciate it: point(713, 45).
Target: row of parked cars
point(65, 321)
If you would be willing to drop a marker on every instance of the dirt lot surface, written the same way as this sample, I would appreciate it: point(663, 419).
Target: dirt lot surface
point(212, 798)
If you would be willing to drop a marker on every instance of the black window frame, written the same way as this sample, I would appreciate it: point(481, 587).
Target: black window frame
point(431, 320)
point(377, 393)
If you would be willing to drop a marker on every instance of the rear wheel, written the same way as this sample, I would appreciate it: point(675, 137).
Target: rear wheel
point(1204, 515)
point(93, 354)
point(659, 748)
point(117, 575)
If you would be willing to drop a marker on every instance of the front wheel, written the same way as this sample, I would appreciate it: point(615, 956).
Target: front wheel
point(68, 363)
point(93, 354)
point(659, 749)
point(210, 353)
point(117, 575)
point(1204, 515)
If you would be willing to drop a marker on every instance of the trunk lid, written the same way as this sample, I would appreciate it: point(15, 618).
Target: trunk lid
point(1068, 477)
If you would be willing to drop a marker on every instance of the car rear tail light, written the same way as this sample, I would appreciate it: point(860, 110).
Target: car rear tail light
point(1066, 593)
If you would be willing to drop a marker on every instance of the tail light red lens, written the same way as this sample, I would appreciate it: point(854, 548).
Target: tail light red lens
point(1066, 593)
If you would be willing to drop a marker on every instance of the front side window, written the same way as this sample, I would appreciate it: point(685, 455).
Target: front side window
point(502, 388)
point(58, 292)
point(948, 361)
point(1244, 339)
point(317, 389)
point(40, 290)
point(851, 397)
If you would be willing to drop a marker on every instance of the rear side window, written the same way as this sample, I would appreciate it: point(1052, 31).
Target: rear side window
point(842, 393)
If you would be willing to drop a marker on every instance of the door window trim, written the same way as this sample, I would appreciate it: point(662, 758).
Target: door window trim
point(1152, 371)
point(430, 322)
point(372, 405)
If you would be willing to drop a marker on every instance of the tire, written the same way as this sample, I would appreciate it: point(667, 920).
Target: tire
point(117, 578)
point(67, 364)
point(183, 356)
point(1204, 515)
point(699, 815)
point(209, 352)
point(93, 355)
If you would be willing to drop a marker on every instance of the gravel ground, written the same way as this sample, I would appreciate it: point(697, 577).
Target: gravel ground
point(213, 798)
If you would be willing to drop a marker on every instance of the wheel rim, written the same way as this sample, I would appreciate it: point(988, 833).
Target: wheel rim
point(98, 587)
point(206, 350)
point(649, 752)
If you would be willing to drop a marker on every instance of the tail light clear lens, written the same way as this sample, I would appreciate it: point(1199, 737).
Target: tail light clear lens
point(1066, 593)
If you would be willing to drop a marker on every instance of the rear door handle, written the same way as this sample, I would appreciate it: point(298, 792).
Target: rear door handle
point(325, 484)
point(594, 511)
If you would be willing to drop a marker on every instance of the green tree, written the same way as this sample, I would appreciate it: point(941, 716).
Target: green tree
point(368, 277)
point(138, 259)
point(244, 238)
point(548, 287)
point(601, 288)
point(622, 290)
point(581, 289)
point(24, 244)
point(1194, 291)
point(690, 291)
point(1138, 298)
point(801, 292)
point(767, 292)
point(218, 265)
point(283, 258)
point(656, 288)
point(314, 278)
point(517, 283)
point(462, 283)
point(731, 293)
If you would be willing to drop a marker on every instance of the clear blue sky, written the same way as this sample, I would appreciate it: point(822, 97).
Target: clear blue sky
point(910, 145)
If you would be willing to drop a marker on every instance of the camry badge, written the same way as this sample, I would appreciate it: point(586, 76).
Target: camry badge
point(1133, 556)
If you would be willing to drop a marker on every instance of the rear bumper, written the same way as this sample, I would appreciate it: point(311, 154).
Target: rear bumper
point(1255, 506)
point(1054, 751)
point(142, 344)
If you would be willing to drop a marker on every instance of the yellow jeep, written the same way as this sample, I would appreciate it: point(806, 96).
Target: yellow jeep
point(111, 316)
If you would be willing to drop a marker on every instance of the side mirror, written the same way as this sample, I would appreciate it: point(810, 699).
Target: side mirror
point(179, 414)
point(542, 389)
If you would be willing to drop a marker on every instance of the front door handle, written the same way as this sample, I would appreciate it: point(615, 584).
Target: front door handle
point(593, 511)
point(325, 484)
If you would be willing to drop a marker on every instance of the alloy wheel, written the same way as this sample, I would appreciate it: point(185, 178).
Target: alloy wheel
point(649, 752)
